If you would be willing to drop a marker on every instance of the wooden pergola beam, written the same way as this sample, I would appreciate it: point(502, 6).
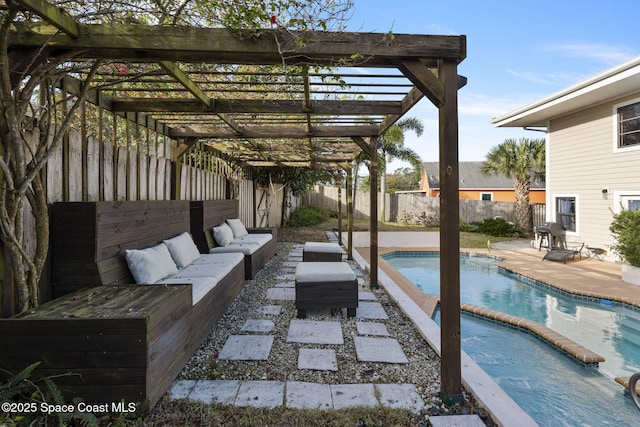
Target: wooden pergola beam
point(53, 15)
point(424, 79)
point(185, 44)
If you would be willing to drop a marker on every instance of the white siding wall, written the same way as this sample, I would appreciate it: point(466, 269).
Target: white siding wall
point(581, 162)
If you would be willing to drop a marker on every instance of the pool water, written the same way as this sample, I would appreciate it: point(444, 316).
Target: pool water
point(553, 388)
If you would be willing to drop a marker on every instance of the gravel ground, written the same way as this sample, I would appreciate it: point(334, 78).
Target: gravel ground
point(423, 368)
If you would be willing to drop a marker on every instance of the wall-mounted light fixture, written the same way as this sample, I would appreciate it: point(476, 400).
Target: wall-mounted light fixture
point(605, 193)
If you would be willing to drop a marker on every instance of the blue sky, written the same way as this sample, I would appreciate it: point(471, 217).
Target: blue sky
point(517, 53)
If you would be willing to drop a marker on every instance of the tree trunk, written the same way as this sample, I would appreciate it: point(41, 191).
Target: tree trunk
point(522, 205)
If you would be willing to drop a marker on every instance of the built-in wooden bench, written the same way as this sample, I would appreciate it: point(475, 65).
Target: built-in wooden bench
point(126, 342)
point(207, 214)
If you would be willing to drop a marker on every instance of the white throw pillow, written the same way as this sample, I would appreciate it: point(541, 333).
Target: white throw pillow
point(237, 227)
point(222, 234)
point(151, 264)
point(182, 249)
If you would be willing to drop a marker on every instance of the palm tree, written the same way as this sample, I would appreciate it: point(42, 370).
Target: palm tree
point(521, 160)
point(392, 147)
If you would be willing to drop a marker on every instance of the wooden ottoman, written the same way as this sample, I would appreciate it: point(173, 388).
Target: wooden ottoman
point(321, 252)
point(325, 285)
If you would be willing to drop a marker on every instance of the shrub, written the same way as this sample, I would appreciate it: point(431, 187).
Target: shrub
point(307, 216)
point(499, 227)
point(465, 226)
point(625, 228)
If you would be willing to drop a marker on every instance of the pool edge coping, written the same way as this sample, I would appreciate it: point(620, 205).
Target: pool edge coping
point(504, 410)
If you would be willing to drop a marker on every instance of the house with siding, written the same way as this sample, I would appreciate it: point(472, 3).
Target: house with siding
point(474, 185)
point(592, 151)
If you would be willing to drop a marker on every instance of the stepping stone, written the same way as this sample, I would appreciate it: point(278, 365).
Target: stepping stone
point(303, 395)
point(246, 347)
point(317, 359)
point(181, 389)
point(285, 285)
point(286, 278)
point(257, 325)
point(261, 394)
point(361, 282)
point(399, 396)
point(350, 395)
point(315, 332)
point(290, 264)
point(269, 310)
point(457, 421)
point(281, 294)
point(372, 328)
point(386, 350)
point(215, 391)
point(371, 310)
point(366, 295)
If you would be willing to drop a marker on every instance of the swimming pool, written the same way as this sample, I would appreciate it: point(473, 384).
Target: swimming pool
point(547, 384)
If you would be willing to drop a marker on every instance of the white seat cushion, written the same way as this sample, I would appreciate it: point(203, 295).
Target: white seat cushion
point(182, 249)
point(324, 247)
point(245, 248)
point(324, 272)
point(200, 286)
point(233, 258)
point(260, 238)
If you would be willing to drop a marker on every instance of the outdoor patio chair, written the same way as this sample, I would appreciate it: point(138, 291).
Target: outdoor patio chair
point(596, 253)
point(562, 255)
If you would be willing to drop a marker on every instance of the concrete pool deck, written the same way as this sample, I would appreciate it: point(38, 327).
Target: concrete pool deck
point(583, 276)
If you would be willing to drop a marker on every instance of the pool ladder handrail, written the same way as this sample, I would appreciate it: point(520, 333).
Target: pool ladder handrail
point(632, 389)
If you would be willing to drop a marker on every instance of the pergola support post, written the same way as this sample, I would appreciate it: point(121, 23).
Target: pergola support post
point(339, 182)
point(450, 357)
point(349, 190)
point(373, 227)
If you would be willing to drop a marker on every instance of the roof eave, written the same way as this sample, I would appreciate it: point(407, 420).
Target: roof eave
point(615, 82)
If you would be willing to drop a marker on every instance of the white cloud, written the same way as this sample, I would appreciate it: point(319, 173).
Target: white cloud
point(600, 52)
point(488, 106)
point(531, 77)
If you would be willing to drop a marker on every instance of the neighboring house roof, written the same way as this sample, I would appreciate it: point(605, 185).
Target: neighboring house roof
point(472, 178)
point(613, 83)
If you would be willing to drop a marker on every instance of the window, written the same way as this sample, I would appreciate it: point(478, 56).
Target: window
point(631, 203)
point(486, 196)
point(566, 212)
point(628, 125)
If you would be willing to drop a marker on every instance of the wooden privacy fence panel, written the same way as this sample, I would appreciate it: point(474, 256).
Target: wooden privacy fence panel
point(399, 206)
point(198, 184)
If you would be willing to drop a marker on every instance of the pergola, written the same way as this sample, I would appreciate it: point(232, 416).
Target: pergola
point(283, 98)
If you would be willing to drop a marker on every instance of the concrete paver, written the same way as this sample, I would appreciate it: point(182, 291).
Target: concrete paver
point(350, 395)
point(399, 396)
point(383, 350)
point(269, 310)
point(246, 347)
point(304, 395)
point(315, 332)
point(317, 359)
point(257, 325)
point(372, 328)
point(370, 310)
point(261, 394)
point(281, 294)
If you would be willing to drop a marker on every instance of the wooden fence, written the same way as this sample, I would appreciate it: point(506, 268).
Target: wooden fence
point(87, 169)
point(408, 206)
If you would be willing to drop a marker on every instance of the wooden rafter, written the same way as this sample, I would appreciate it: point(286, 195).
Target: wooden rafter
point(53, 15)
